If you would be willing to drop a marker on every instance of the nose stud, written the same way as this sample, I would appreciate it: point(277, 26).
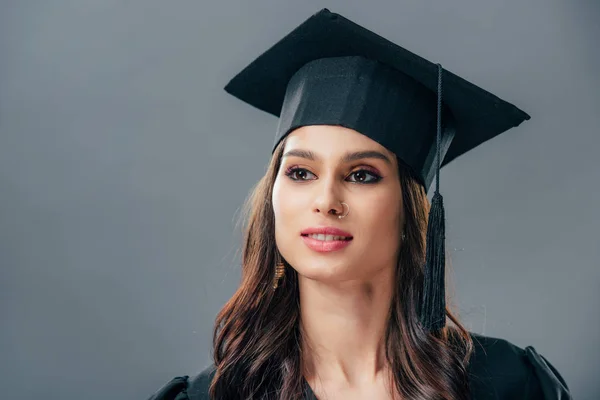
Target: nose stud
point(348, 212)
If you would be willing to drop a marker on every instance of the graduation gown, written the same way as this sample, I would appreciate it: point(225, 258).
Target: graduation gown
point(499, 370)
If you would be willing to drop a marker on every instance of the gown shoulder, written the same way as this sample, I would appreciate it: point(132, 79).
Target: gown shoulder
point(186, 388)
point(500, 369)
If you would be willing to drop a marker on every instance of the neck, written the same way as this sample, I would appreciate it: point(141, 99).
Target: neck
point(343, 328)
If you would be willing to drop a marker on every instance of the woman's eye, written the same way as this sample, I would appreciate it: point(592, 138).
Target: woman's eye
point(364, 176)
point(360, 176)
point(299, 174)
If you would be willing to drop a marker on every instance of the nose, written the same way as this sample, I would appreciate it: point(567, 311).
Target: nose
point(327, 200)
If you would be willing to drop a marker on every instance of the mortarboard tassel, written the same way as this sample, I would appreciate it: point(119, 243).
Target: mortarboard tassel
point(433, 307)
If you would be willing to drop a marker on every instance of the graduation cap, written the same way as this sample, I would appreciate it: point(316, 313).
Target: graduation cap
point(332, 71)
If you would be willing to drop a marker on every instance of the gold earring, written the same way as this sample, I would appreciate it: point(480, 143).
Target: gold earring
point(279, 273)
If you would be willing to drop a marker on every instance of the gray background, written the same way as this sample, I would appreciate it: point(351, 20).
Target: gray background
point(123, 165)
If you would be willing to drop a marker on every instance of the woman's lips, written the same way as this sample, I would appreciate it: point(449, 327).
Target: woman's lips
point(324, 246)
point(325, 230)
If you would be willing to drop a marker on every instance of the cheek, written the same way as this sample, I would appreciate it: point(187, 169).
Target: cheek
point(287, 207)
point(280, 201)
point(382, 223)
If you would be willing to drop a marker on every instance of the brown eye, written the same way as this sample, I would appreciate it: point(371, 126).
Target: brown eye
point(364, 176)
point(299, 174)
point(360, 176)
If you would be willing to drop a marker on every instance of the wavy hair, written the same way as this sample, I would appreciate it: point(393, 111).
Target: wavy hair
point(257, 333)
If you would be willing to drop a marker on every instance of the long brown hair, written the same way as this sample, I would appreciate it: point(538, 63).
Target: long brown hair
point(257, 335)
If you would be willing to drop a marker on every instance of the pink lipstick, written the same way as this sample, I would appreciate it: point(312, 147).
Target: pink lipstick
point(325, 239)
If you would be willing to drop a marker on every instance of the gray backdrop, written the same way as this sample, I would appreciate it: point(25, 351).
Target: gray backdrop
point(123, 165)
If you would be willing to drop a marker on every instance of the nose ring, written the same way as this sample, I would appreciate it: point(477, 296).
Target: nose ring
point(348, 212)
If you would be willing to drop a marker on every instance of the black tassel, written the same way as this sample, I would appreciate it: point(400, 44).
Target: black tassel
point(433, 310)
point(433, 306)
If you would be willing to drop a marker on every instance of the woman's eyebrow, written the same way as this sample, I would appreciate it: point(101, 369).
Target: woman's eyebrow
point(346, 158)
point(361, 155)
point(309, 155)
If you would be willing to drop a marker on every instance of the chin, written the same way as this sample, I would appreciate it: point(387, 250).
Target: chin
point(325, 270)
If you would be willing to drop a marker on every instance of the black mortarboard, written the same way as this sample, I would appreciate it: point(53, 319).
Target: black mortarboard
point(331, 71)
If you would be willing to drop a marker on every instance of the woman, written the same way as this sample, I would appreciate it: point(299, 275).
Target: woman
point(342, 293)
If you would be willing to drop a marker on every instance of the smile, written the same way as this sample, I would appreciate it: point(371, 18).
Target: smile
point(327, 238)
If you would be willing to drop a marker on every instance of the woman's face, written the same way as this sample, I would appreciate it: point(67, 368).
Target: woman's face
point(323, 166)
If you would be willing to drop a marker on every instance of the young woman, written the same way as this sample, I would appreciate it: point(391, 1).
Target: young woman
point(342, 292)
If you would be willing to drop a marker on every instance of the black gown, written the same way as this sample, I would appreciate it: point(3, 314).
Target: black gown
point(498, 370)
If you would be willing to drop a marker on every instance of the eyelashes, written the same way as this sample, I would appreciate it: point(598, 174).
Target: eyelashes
point(361, 176)
point(295, 173)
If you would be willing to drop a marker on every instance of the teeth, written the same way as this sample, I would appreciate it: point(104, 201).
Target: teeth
point(320, 236)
